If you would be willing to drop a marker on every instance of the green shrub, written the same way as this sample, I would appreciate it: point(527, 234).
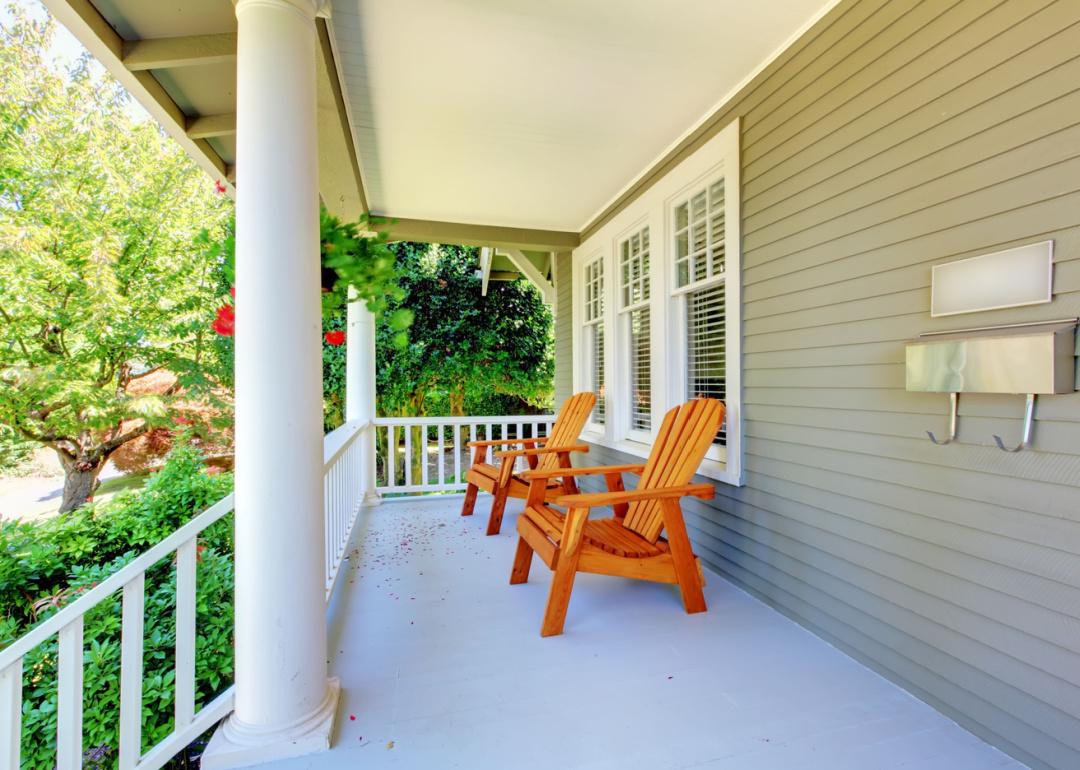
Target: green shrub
point(47, 564)
point(14, 451)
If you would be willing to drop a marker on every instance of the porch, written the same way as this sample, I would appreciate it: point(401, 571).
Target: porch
point(793, 228)
point(441, 665)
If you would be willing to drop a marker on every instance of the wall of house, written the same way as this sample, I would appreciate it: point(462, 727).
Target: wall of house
point(564, 352)
point(893, 136)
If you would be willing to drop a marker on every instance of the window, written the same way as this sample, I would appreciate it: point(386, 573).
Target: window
point(634, 289)
point(594, 336)
point(699, 255)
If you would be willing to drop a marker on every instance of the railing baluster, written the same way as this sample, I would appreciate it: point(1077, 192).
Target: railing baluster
point(391, 456)
point(423, 455)
point(442, 457)
point(69, 697)
point(11, 714)
point(131, 673)
point(457, 453)
point(408, 455)
point(186, 559)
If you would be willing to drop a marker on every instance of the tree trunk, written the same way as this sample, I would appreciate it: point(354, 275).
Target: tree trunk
point(80, 482)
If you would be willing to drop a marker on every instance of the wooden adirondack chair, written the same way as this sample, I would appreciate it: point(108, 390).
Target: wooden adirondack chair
point(547, 453)
point(629, 543)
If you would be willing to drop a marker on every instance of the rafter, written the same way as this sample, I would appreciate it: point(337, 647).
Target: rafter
point(169, 52)
point(207, 126)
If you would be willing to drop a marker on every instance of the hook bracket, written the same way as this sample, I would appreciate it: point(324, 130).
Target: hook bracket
point(1029, 420)
point(954, 406)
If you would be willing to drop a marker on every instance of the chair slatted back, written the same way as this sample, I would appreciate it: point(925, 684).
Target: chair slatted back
point(684, 438)
point(568, 425)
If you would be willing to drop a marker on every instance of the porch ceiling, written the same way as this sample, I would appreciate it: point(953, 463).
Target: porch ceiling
point(509, 122)
point(535, 114)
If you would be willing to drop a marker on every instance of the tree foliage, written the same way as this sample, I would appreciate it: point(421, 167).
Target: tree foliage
point(103, 275)
point(466, 353)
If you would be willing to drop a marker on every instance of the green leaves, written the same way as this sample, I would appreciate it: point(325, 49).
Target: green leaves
point(103, 274)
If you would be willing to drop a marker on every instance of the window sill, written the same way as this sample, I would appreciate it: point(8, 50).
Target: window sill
point(714, 470)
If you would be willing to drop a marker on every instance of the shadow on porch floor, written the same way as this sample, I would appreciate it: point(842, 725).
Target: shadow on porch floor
point(443, 666)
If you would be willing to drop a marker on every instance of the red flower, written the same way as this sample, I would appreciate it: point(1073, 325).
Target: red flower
point(225, 323)
point(219, 188)
point(335, 338)
point(232, 292)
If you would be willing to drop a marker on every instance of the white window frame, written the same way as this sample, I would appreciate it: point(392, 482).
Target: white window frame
point(620, 408)
point(656, 208)
point(587, 358)
point(678, 352)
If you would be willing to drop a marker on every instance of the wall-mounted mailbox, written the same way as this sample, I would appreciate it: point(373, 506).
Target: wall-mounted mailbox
point(1029, 359)
point(1040, 360)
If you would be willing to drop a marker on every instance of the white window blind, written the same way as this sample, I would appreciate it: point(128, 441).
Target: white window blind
point(600, 410)
point(594, 334)
point(699, 236)
point(706, 347)
point(634, 291)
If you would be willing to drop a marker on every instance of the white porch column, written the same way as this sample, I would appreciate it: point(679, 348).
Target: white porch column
point(284, 703)
point(360, 390)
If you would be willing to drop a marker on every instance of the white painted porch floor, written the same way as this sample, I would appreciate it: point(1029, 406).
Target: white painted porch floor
point(443, 666)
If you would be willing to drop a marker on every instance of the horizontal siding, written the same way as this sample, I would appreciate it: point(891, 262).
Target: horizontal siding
point(564, 350)
point(894, 136)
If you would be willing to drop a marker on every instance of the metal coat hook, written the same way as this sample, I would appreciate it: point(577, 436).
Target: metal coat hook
point(1029, 419)
point(954, 405)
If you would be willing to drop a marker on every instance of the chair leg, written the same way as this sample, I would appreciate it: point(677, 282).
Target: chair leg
point(562, 580)
point(562, 584)
point(687, 569)
point(470, 500)
point(522, 562)
point(498, 505)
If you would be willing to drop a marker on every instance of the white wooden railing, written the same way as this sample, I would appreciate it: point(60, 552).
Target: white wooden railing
point(342, 493)
point(341, 504)
point(420, 455)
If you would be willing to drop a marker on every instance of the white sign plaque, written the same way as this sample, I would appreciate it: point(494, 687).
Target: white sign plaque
point(1010, 278)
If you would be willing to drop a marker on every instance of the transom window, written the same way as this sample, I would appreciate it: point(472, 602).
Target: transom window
point(634, 265)
point(634, 289)
point(699, 236)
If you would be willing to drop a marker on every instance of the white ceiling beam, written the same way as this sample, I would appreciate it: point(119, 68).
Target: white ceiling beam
point(169, 52)
point(529, 270)
point(487, 255)
point(207, 126)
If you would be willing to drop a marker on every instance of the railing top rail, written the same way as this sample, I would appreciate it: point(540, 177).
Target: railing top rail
point(515, 419)
point(338, 440)
point(133, 569)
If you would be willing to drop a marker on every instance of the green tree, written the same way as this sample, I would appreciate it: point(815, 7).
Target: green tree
point(103, 275)
point(466, 353)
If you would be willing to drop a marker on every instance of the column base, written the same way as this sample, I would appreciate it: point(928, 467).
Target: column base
point(370, 498)
point(231, 748)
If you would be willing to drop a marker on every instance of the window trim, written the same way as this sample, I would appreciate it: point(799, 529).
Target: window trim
point(655, 208)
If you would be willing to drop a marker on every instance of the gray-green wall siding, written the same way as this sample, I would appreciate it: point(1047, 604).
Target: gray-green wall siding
point(564, 352)
point(893, 136)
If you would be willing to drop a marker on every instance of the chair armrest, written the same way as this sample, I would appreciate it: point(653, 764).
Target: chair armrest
point(501, 442)
point(596, 470)
point(596, 499)
point(544, 450)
